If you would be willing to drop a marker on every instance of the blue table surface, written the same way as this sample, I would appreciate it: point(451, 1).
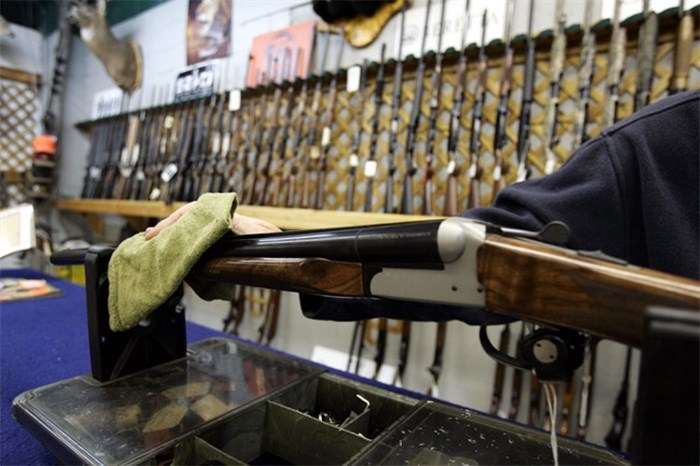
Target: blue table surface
point(44, 341)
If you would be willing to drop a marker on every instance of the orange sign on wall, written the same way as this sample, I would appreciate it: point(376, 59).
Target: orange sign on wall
point(281, 55)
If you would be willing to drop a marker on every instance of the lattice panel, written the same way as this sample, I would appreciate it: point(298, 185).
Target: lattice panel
point(260, 126)
point(18, 107)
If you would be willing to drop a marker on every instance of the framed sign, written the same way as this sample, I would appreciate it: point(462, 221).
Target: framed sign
point(208, 30)
point(281, 55)
point(194, 83)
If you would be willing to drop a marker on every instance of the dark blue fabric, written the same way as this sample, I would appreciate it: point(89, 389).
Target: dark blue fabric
point(43, 341)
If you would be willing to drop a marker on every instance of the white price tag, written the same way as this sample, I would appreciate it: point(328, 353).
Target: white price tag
point(472, 170)
point(215, 143)
point(451, 165)
point(354, 77)
point(497, 173)
point(140, 175)
point(155, 194)
point(225, 143)
point(354, 160)
point(370, 168)
point(234, 100)
point(168, 172)
point(326, 136)
point(95, 172)
point(135, 152)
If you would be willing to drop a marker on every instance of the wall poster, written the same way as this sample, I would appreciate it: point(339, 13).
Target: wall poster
point(281, 55)
point(208, 30)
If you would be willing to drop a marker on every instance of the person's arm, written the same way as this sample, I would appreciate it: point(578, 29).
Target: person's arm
point(584, 193)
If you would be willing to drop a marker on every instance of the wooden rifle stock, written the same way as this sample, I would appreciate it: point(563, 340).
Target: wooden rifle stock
point(559, 287)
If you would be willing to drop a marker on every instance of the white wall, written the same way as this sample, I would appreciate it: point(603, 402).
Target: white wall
point(468, 372)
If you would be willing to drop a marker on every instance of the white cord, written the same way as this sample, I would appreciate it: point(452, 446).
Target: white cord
point(551, 395)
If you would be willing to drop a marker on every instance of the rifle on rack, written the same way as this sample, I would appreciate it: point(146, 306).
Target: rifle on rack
point(185, 173)
point(413, 122)
point(585, 76)
point(99, 140)
point(328, 120)
point(526, 101)
point(683, 50)
point(646, 53)
point(371, 162)
point(556, 72)
point(292, 173)
point(250, 169)
point(231, 145)
point(214, 162)
point(616, 66)
point(173, 174)
point(453, 170)
point(459, 262)
point(354, 160)
point(266, 171)
point(389, 206)
point(434, 104)
point(500, 164)
point(311, 143)
point(475, 171)
point(586, 396)
point(278, 178)
point(147, 140)
point(164, 145)
point(111, 171)
point(134, 121)
point(200, 159)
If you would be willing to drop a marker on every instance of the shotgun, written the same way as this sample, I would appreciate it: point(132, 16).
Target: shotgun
point(556, 73)
point(413, 121)
point(474, 170)
point(371, 162)
point(500, 164)
point(585, 77)
point(460, 262)
point(389, 205)
point(434, 105)
point(526, 101)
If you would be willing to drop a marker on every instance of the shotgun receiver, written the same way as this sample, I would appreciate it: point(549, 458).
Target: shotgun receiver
point(460, 262)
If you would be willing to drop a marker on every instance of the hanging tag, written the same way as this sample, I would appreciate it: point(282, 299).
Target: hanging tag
point(354, 160)
point(451, 165)
point(326, 136)
point(354, 76)
point(370, 168)
point(234, 100)
point(168, 172)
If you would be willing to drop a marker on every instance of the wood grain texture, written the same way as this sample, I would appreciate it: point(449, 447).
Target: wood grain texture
point(559, 287)
point(314, 276)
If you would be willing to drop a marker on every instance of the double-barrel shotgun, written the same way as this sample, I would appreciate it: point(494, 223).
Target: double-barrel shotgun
point(461, 262)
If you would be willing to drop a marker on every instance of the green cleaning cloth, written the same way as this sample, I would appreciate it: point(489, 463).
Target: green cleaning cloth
point(144, 274)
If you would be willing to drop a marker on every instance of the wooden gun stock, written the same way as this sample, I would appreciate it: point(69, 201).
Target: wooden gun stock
point(560, 287)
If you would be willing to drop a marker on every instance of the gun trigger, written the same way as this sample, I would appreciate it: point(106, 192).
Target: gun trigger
point(602, 256)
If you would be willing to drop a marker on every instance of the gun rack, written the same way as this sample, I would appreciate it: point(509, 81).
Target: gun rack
point(261, 112)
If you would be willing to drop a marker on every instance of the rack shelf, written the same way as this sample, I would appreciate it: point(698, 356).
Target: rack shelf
point(285, 218)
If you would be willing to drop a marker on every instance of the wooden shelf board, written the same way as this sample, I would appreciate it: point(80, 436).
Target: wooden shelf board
point(285, 218)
